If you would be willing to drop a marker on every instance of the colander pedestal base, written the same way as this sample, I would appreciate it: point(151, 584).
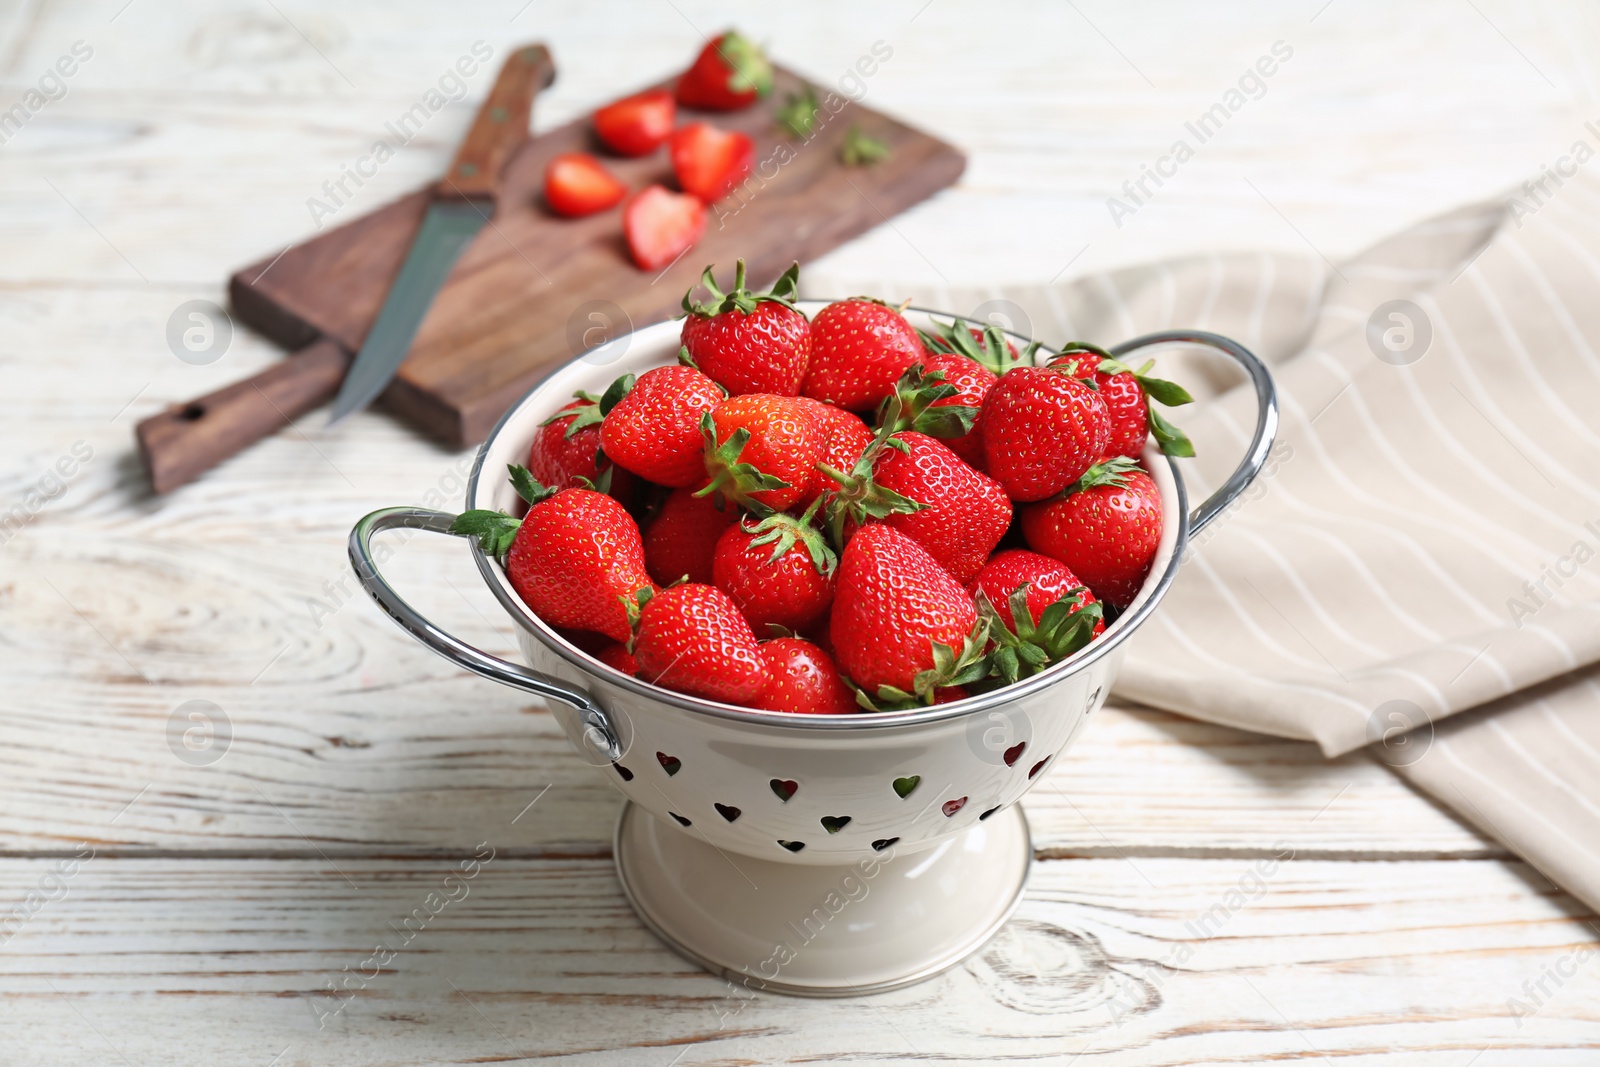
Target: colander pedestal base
point(888, 921)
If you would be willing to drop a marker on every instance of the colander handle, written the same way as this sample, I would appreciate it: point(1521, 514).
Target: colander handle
point(598, 729)
point(1266, 414)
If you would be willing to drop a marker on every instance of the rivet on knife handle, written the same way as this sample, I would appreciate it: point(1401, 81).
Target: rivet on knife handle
point(500, 127)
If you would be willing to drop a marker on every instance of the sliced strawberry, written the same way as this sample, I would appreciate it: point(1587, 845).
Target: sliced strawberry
point(729, 73)
point(637, 125)
point(661, 225)
point(709, 162)
point(577, 184)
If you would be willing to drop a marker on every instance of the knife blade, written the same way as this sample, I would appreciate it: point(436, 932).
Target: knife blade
point(463, 203)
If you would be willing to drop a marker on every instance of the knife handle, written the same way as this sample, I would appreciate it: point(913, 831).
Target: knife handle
point(187, 440)
point(500, 127)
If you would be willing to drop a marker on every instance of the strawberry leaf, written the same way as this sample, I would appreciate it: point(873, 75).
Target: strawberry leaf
point(783, 531)
point(748, 68)
point(1173, 441)
point(731, 477)
point(862, 150)
point(798, 113)
point(739, 298)
point(527, 486)
point(1113, 471)
point(615, 392)
point(493, 530)
point(914, 405)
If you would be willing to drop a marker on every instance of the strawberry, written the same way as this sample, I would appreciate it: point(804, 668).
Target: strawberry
point(661, 225)
point(915, 484)
point(682, 539)
point(848, 437)
point(986, 346)
point(1041, 612)
point(859, 349)
point(618, 658)
point(728, 74)
point(567, 449)
point(691, 638)
point(710, 162)
point(778, 570)
point(803, 679)
point(749, 342)
point(652, 423)
point(901, 626)
point(1106, 528)
point(637, 125)
point(576, 559)
point(576, 183)
point(762, 450)
point(1042, 428)
point(941, 396)
point(1127, 393)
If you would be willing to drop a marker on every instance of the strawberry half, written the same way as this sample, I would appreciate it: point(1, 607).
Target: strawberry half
point(576, 559)
point(761, 450)
point(1106, 528)
point(859, 349)
point(901, 626)
point(577, 184)
point(637, 125)
point(729, 73)
point(803, 679)
point(710, 162)
point(749, 342)
point(691, 638)
point(778, 570)
point(661, 225)
point(681, 540)
point(652, 423)
point(1042, 429)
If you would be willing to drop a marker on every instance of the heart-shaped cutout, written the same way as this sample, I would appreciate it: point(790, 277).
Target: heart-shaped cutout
point(904, 786)
point(727, 811)
point(883, 843)
point(627, 775)
point(1037, 767)
point(988, 813)
point(950, 807)
point(671, 764)
point(834, 823)
point(681, 820)
point(783, 788)
point(793, 846)
point(1014, 753)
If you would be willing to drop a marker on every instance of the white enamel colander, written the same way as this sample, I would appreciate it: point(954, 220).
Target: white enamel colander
point(744, 828)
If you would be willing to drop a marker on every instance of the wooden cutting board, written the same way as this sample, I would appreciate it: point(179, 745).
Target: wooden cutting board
point(522, 298)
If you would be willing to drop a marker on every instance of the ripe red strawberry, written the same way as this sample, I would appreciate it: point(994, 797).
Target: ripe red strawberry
point(710, 162)
point(682, 539)
point(859, 349)
point(618, 658)
point(661, 225)
point(576, 183)
point(728, 74)
point(986, 346)
point(1047, 581)
point(1127, 393)
point(941, 396)
point(749, 342)
point(778, 570)
point(691, 638)
point(575, 559)
point(652, 424)
point(1106, 529)
point(637, 125)
point(762, 450)
point(1041, 430)
point(901, 626)
point(567, 448)
point(803, 679)
point(848, 437)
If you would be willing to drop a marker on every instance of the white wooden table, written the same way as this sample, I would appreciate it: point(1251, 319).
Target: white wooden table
point(179, 913)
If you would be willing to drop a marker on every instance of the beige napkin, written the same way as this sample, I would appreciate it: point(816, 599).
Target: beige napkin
point(1426, 539)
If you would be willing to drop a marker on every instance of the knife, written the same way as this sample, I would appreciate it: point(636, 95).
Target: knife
point(463, 203)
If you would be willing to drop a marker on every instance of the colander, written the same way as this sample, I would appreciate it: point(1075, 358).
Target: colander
point(823, 855)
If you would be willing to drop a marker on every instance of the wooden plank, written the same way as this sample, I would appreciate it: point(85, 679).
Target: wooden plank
point(1154, 963)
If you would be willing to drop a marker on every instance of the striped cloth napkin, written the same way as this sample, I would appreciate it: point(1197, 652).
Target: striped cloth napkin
point(1418, 568)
